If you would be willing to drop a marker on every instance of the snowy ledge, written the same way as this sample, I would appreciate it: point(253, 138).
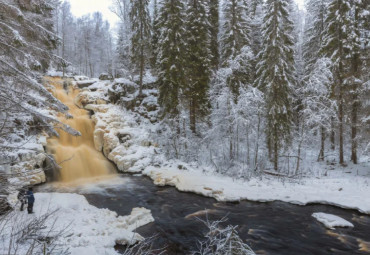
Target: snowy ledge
point(341, 192)
point(332, 221)
point(89, 230)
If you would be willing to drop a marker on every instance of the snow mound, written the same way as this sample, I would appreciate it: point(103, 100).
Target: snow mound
point(89, 230)
point(54, 73)
point(332, 221)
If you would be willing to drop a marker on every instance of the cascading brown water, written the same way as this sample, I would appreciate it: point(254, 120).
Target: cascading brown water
point(77, 156)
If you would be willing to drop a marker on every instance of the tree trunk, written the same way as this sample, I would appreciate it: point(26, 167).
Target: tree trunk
point(341, 118)
point(192, 116)
point(322, 148)
point(332, 135)
point(356, 66)
point(354, 119)
point(276, 152)
point(142, 60)
point(257, 144)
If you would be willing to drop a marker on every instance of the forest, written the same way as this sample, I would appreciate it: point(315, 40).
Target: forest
point(242, 84)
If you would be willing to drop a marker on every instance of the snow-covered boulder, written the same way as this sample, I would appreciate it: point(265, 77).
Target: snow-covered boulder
point(85, 83)
point(105, 77)
point(80, 78)
point(332, 221)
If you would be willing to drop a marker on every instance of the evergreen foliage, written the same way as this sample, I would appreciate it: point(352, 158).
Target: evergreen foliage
point(171, 55)
point(214, 21)
point(198, 61)
point(276, 74)
point(140, 36)
point(236, 36)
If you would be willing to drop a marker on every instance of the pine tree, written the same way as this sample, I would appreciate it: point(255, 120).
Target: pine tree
point(214, 31)
point(336, 39)
point(275, 74)
point(198, 61)
point(140, 37)
point(171, 53)
point(236, 30)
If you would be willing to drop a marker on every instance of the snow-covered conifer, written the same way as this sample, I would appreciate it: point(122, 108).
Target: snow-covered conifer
point(171, 54)
point(275, 74)
point(198, 61)
point(140, 36)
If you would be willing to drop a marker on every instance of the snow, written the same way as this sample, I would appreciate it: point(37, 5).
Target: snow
point(344, 192)
point(89, 230)
point(54, 73)
point(125, 82)
point(332, 221)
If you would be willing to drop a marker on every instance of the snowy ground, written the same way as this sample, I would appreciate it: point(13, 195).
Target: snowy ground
point(332, 221)
point(87, 229)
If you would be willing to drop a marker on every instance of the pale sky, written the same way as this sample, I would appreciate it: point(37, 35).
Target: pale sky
point(82, 7)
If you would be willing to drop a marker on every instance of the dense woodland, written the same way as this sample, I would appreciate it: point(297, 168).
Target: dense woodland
point(243, 86)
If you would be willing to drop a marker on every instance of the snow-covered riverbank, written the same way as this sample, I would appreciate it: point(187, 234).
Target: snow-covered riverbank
point(80, 227)
point(344, 191)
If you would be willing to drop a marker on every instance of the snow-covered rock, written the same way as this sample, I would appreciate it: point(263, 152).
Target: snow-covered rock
point(25, 166)
point(88, 230)
point(332, 221)
point(85, 83)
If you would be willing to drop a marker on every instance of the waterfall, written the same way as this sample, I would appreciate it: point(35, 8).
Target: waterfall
point(77, 156)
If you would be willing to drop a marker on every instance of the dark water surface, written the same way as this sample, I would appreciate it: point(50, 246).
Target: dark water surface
point(269, 228)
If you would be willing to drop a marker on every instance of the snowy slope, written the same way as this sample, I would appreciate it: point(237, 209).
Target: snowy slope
point(88, 230)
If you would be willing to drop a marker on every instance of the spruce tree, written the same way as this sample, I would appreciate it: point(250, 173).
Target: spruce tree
point(256, 14)
point(275, 74)
point(198, 61)
point(313, 41)
point(336, 42)
point(214, 31)
point(171, 52)
point(314, 29)
point(155, 36)
point(140, 38)
point(354, 77)
point(236, 30)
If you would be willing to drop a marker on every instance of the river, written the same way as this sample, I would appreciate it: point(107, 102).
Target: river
point(269, 228)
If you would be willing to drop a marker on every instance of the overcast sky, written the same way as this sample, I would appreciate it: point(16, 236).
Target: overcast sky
point(82, 7)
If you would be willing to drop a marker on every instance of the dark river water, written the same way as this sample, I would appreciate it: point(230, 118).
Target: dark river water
point(268, 228)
